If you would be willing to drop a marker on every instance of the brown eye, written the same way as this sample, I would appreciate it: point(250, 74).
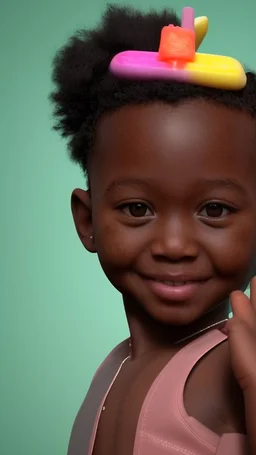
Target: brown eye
point(215, 210)
point(137, 210)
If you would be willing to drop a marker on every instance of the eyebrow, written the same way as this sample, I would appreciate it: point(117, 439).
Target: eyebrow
point(210, 183)
point(117, 184)
point(224, 183)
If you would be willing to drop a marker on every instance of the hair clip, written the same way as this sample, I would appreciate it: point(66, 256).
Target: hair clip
point(177, 59)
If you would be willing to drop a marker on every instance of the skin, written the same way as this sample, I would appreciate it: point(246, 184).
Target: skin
point(241, 331)
point(176, 162)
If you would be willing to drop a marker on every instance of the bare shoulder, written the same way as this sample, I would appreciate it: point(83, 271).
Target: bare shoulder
point(232, 395)
point(221, 406)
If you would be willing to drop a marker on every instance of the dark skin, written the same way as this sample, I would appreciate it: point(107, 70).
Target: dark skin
point(172, 194)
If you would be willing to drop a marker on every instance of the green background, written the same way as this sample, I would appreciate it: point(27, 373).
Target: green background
point(59, 315)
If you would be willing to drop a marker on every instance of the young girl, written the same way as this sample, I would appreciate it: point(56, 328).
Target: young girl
point(171, 212)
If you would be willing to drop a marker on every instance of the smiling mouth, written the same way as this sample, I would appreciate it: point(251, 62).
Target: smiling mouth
point(175, 291)
point(177, 283)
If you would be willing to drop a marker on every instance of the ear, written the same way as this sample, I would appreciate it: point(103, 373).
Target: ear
point(82, 214)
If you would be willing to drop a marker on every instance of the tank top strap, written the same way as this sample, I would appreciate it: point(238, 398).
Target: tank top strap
point(185, 360)
point(85, 426)
point(165, 398)
point(233, 443)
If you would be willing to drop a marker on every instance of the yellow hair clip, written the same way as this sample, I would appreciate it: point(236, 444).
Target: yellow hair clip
point(178, 60)
point(201, 29)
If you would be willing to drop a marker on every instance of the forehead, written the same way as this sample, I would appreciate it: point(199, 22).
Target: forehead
point(185, 141)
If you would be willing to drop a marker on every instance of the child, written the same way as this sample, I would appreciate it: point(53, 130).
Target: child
point(171, 212)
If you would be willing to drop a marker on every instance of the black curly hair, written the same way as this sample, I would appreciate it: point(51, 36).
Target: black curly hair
point(85, 89)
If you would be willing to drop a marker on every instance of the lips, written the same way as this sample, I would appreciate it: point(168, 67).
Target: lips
point(175, 288)
point(175, 283)
point(177, 277)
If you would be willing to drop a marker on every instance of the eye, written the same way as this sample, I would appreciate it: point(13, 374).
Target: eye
point(136, 209)
point(215, 210)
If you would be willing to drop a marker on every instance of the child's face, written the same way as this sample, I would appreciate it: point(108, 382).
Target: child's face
point(173, 197)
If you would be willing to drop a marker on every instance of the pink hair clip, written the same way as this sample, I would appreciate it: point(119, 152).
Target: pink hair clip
point(178, 60)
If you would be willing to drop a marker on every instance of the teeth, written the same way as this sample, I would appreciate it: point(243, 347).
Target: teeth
point(175, 283)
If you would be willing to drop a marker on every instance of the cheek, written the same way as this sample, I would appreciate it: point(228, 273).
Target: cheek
point(117, 245)
point(234, 249)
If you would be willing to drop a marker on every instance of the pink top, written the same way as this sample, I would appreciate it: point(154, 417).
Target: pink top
point(164, 427)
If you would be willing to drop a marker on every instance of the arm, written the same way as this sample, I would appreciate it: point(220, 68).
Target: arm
point(241, 331)
point(250, 416)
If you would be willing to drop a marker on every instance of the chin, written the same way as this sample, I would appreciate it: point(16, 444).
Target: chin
point(167, 313)
point(175, 316)
point(173, 307)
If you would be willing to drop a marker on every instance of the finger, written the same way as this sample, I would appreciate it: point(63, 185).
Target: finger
point(253, 293)
point(242, 308)
point(242, 345)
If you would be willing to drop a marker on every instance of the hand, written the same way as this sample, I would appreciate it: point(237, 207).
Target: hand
point(241, 331)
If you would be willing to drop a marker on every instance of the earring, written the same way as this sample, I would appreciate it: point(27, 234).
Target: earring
point(91, 237)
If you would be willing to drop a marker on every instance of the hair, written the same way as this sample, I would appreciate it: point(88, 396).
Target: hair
point(85, 89)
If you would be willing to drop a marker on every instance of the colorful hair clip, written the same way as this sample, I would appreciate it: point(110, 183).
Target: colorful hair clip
point(178, 60)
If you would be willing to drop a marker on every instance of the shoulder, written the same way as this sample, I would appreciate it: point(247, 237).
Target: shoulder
point(230, 402)
point(83, 426)
point(114, 358)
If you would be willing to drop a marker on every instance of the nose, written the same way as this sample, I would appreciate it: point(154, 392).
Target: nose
point(175, 240)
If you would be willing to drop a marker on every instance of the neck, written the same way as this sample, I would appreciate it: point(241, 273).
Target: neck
point(149, 335)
